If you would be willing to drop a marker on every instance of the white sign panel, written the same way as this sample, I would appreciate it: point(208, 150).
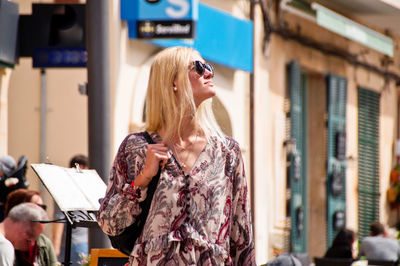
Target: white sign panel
point(72, 189)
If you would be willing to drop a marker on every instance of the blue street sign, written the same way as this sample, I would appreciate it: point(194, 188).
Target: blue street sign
point(59, 57)
point(160, 18)
point(159, 10)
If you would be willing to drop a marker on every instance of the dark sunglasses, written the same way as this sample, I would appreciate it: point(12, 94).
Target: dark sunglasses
point(201, 68)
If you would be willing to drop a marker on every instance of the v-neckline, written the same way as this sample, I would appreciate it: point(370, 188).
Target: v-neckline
point(159, 139)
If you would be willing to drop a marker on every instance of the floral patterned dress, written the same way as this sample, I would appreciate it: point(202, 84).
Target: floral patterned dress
point(199, 218)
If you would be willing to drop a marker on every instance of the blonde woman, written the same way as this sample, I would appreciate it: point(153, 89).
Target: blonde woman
point(200, 210)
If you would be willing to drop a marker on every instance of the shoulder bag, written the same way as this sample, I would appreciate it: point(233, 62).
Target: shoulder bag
point(126, 240)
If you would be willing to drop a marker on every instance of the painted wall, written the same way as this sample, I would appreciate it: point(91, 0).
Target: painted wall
point(5, 74)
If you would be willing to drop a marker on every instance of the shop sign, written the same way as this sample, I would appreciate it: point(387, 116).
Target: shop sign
point(352, 30)
point(153, 19)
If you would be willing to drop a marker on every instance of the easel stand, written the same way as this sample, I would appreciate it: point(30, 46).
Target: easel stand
point(75, 219)
point(77, 193)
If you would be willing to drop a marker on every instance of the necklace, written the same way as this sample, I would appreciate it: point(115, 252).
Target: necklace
point(184, 149)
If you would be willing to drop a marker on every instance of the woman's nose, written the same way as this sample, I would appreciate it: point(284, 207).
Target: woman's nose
point(208, 74)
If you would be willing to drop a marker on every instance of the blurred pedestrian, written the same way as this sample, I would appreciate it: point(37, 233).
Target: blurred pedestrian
point(41, 250)
point(200, 210)
point(23, 195)
point(7, 167)
point(343, 246)
point(20, 230)
point(378, 246)
point(79, 235)
point(284, 260)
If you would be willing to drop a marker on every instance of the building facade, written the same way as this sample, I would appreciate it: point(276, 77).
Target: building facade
point(316, 114)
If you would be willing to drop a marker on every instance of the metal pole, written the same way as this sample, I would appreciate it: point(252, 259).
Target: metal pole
point(252, 157)
point(97, 19)
point(67, 256)
point(43, 115)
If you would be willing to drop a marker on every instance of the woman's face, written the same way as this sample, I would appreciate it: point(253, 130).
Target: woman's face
point(202, 85)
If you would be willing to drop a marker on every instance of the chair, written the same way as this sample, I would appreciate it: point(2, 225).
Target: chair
point(332, 262)
point(381, 263)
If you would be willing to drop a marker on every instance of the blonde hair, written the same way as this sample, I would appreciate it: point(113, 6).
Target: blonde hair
point(166, 108)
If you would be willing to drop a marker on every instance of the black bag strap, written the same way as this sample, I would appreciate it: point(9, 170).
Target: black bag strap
point(153, 183)
point(151, 188)
point(148, 137)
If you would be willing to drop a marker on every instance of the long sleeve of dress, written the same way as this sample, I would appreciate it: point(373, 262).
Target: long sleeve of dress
point(120, 206)
point(241, 234)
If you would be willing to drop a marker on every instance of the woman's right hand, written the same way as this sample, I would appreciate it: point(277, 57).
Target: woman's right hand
point(157, 154)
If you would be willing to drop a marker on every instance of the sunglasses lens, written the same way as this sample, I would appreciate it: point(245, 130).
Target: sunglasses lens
point(199, 68)
point(209, 68)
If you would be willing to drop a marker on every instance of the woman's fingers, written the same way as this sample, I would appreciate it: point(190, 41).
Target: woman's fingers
point(157, 148)
point(158, 151)
point(157, 155)
point(162, 158)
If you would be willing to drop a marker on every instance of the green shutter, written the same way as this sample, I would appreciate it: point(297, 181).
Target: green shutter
point(368, 159)
point(297, 170)
point(336, 163)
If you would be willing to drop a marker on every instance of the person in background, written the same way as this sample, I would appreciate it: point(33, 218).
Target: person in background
point(79, 237)
point(200, 213)
point(23, 195)
point(378, 246)
point(284, 260)
point(41, 251)
point(7, 167)
point(343, 246)
point(20, 230)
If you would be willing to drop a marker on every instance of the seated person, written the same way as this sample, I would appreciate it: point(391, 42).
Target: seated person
point(284, 260)
point(41, 250)
point(378, 246)
point(342, 245)
point(20, 231)
point(7, 167)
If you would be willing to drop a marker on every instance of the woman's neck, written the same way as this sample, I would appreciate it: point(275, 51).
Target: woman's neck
point(182, 137)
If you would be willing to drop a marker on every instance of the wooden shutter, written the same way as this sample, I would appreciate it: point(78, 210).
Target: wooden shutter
point(368, 159)
point(297, 170)
point(336, 166)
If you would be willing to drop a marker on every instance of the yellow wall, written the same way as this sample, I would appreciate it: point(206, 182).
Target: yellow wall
point(5, 74)
point(65, 128)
